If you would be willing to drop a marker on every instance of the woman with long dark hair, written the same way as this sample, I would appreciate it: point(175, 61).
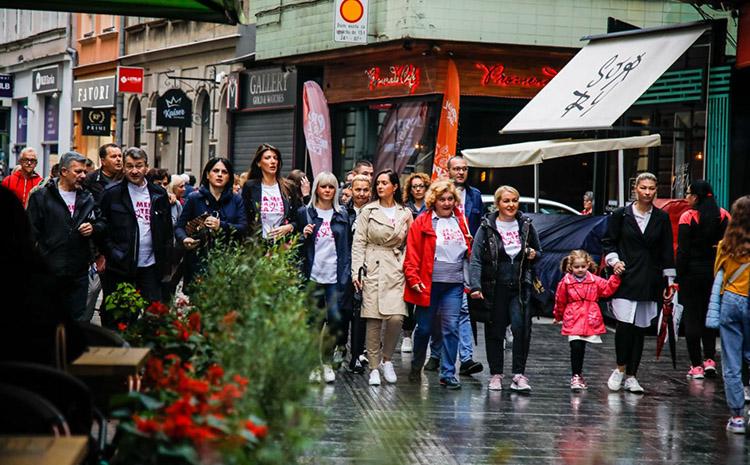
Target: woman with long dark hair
point(700, 229)
point(299, 188)
point(224, 210)
point(266, 196)
point(379, 240)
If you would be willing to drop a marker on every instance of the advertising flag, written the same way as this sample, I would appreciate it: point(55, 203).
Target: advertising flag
point(316, 125)
point(445, 147)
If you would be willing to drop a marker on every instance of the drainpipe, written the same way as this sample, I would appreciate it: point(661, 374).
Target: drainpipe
point(73, 55)
point(120, 97)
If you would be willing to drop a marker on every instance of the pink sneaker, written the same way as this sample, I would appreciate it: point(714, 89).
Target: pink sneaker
point(696, 373)
point(709, 367)
point(577, 383)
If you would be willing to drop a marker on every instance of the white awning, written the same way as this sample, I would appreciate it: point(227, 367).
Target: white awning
point(534, 153)
point(604, 79)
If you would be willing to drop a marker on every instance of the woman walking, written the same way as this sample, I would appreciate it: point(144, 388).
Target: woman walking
point(326, 260)
point(502, 257)
point(224, 210)
point(266, 197)
point(733, 259)
point(639, 245)
point(436, 250)
point(379, 241)
point(700, 229)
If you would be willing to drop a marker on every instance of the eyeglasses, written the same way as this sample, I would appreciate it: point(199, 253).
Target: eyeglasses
point(28, 161)
point(417, 186)
point(461, 168)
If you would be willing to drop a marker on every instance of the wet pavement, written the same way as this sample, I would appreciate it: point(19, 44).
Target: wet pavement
point(677, 421)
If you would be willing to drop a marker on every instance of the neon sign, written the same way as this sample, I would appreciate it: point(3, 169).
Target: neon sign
point(495, 75)
point(398, 76)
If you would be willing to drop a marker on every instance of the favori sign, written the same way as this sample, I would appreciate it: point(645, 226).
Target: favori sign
point(130, 79)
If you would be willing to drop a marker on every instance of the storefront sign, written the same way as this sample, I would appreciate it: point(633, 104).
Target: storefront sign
point(46, 79)
point(130, 79)
point(174, 109)
point(6, 85)
point(94, 93)
point(496, 75)
point(350, 21)
point(269, 88)
point(96, 121)
point(22, 121)
point(51, 112)
point(407, 76)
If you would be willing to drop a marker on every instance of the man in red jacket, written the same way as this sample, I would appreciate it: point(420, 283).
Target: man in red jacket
point(23, 180)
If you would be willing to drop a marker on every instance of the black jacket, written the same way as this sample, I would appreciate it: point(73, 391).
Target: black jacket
point(695, 252)
point(251, 197)
point(55, 232)
point(340, 226)
point(121, 235)
point(95, 183)
point(646, 255)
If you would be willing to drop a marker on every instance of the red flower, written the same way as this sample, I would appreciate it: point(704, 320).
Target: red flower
point(201, 434)
point(122, 326)
point(194, 321)
point(146, 425)
point(259, 431)
point(215, 374)
point(158, 309)
point(178, 426)
point(240, 380)
point(230, 318)
point(182, 331)
point(181, 407)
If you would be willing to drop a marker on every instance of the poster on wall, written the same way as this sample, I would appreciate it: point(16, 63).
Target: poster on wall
point(96, 121)
point(51, 112)
point(403, 128)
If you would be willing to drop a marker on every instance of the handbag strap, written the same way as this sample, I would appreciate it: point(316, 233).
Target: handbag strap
point(738, 273)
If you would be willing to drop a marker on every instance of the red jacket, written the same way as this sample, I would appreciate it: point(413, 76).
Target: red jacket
point(576, 303)
point(420, 256)
point(21, 185)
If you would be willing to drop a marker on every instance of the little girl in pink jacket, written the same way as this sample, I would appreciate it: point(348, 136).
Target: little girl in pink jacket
point(577, 307)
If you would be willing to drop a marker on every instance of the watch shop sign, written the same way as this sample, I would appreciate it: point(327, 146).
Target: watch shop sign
point(96, 121)
point(46, 79)
point(269, 88)
point(94, 93)
point(174, 109)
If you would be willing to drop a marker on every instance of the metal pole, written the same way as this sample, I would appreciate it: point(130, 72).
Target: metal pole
point(120, 98)
point(181, 150)
point(536, 188)
point(620, 178)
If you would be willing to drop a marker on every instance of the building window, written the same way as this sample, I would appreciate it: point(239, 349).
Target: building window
point(87, 25)
point(108, 23)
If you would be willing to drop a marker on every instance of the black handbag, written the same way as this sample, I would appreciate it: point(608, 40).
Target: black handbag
point(478, 311)
point(357, 297)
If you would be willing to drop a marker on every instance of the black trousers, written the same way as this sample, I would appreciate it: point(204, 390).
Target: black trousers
point(359, 326)
point(508, 309)
point(629, 346)
point(695, 291)
point(147, 280)
point(577, 352)
point(409, 321)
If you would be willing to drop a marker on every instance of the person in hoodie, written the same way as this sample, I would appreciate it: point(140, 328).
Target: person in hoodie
point(22, 180)
point(226, 214)
point(64, 219)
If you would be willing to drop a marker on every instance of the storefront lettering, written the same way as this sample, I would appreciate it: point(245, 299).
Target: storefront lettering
point(267, 83)
point(495, 75)
point(174, 113)
point(86, 94)
point(399, 76)
point(613, 72)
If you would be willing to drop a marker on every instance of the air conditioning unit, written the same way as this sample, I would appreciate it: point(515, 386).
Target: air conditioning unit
point(151, 125)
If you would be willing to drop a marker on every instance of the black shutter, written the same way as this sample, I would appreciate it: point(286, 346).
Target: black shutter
point(269, 127)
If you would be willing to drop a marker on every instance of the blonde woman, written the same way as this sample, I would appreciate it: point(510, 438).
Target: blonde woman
point(379, 241)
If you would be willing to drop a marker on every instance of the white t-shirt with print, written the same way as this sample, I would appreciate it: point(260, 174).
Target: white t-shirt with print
point(70, 200)
point(462, 196)
point(325, 261)
point(511, 238)
point(271, 208)
point(390, 212)
point(450, 246)
point(142, 206)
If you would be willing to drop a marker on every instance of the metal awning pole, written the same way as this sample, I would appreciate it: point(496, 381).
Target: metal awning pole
point(620, 178)
point(536, 188)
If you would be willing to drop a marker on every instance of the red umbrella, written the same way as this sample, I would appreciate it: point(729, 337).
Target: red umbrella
point(666, 328)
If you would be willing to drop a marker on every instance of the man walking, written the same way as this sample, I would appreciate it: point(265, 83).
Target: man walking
point(138, 236)
point(110, 157)
point(63, 220)
point(24, 179)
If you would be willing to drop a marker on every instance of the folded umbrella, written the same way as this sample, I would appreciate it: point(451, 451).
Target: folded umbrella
point(667, 330)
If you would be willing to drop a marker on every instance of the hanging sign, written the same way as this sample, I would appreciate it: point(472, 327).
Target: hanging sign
point(6, 85)
point(96, 121)
point(46, 79)
point(350, 21)
point(233, 91)
point(174, 109)
point(130, 79)
point(94, 93)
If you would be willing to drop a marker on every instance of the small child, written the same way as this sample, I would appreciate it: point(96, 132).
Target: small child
point(576, 306)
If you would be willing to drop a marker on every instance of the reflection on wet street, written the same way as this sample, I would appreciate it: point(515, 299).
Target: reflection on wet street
point(677, 421)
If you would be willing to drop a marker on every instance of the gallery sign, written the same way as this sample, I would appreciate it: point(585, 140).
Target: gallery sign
point(269, 88)
point(174, 109)
point(130, 79)
point(6, 85)
point(46, 79)
point(96, 121)
point(94, 93)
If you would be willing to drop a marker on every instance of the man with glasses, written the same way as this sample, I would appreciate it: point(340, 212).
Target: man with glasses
point(138, 237)
point(25, 178)
point(63, 219)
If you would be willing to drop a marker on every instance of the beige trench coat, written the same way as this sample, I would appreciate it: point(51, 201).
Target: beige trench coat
point(379, 246)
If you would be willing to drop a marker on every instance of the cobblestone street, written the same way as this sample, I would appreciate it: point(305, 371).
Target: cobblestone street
point(676, 421)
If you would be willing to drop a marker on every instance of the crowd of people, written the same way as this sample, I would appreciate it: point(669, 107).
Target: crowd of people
point(389, 262)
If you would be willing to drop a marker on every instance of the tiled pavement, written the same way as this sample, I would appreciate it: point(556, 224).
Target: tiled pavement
point(676, 422)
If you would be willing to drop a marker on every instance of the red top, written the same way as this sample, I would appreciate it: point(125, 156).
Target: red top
point(420, 255)
point(576, 303)
point(21, 185)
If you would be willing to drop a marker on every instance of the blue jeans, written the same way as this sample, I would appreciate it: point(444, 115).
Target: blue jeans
point(328, 299)
point(465, 335)
point(734, 328)
point(74, 297)
point(439, 320)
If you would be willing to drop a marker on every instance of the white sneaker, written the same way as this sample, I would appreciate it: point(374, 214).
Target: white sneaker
point(496, 383)
point(338, 355)
point(747, 393)
point(388, 372)
point(328, 374)
point(374, 378)
point(407, 345)
point(631, 385)
point(615, 380)
point(315, 376)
